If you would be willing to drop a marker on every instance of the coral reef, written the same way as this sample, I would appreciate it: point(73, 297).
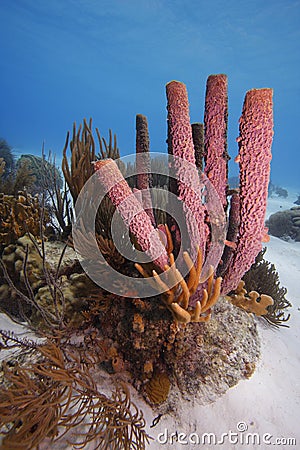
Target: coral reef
point(26, 291)
point(285, 224)
point(19, 214)
point(184, 339)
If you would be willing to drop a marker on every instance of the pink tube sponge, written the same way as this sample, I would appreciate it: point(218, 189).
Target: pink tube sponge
point(131, 211)
point(255, 140)
point(180, 130)
point(215, 141)
point(180, 140)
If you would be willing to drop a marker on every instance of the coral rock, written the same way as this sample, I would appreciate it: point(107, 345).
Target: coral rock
point(285, 224)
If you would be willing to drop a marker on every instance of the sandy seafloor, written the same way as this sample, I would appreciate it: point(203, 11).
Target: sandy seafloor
point(268, 404)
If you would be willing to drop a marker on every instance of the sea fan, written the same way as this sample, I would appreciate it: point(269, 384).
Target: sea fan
point(54, 394)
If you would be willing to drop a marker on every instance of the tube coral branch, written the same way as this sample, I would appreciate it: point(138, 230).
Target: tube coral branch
point(232, 234)
point(215, 141)
point(255, 140)
point(198, 140)
point(131, 211)
point(143, 164)
point(180, 142)
point(142, 146)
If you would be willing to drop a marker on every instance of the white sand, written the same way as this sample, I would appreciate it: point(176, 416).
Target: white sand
point(269, 402)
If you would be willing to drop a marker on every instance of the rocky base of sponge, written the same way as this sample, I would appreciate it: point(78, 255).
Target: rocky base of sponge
point(166, 362)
